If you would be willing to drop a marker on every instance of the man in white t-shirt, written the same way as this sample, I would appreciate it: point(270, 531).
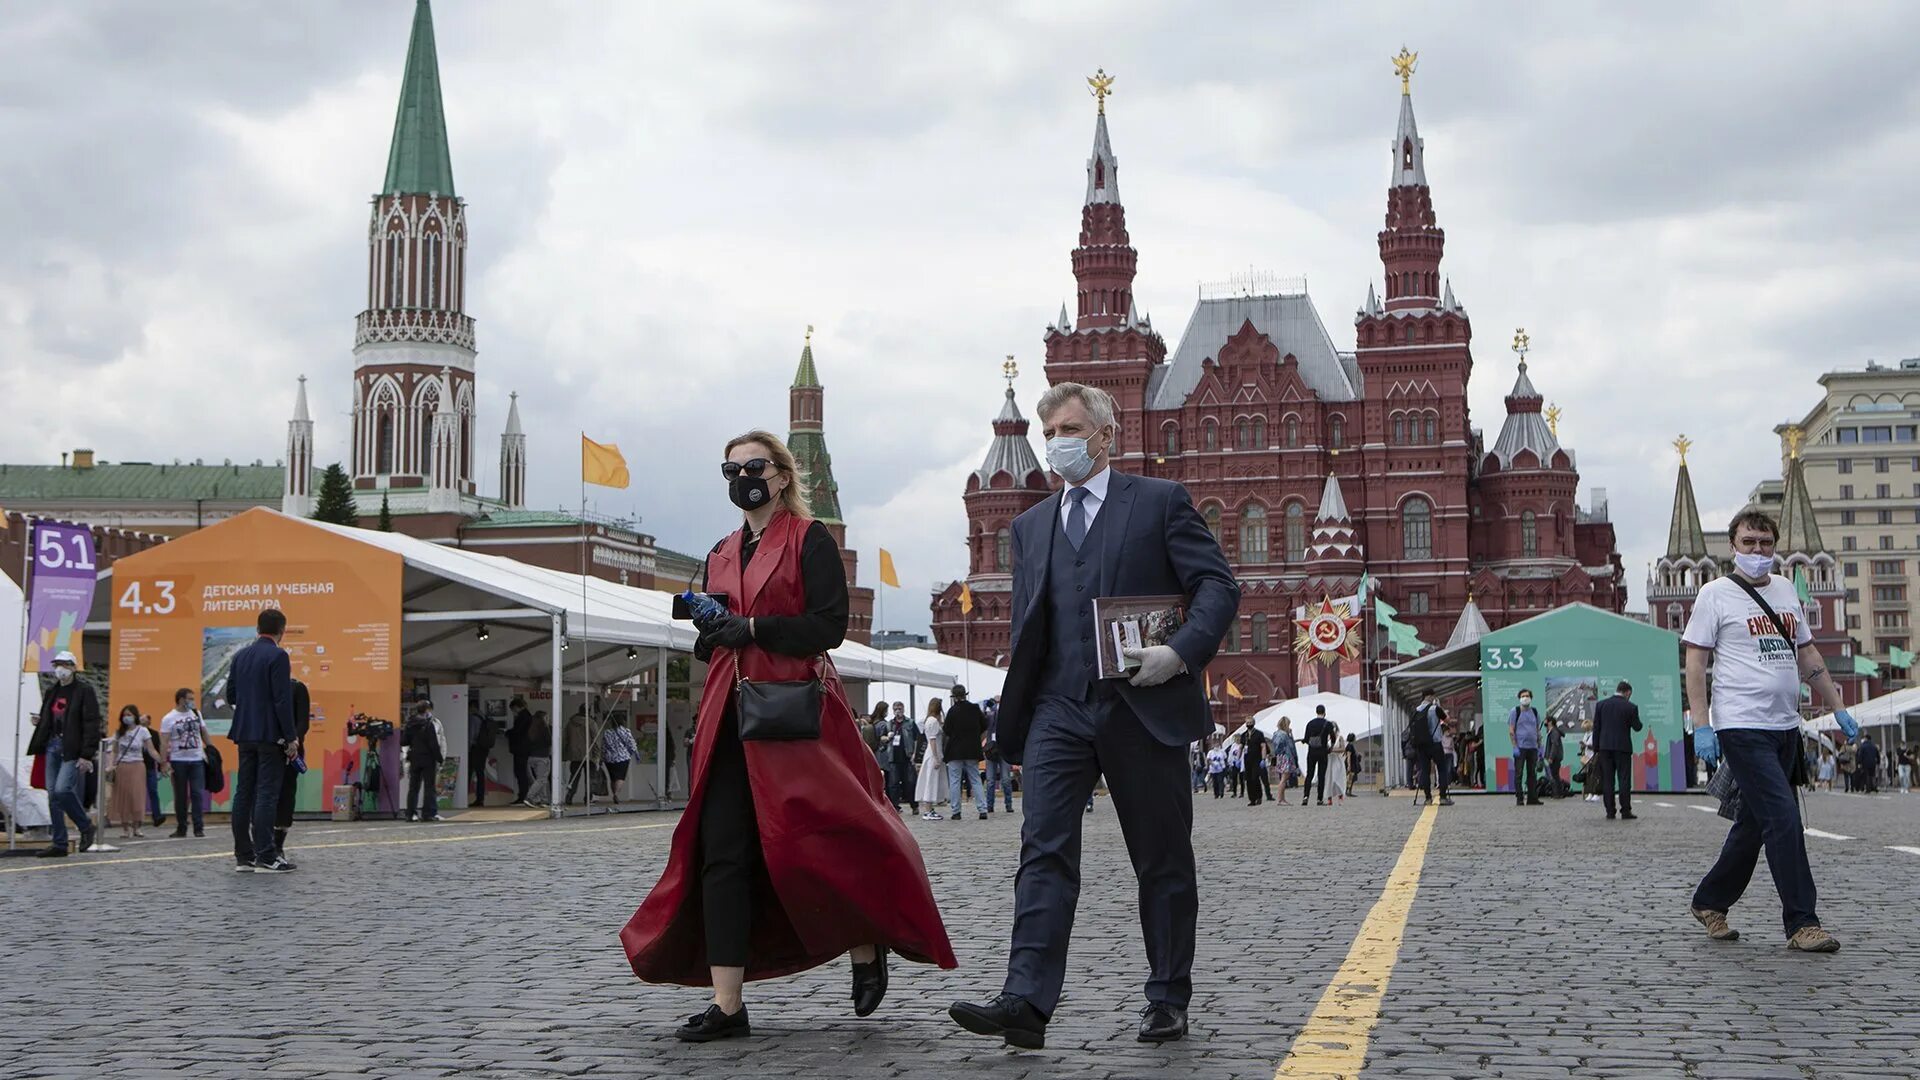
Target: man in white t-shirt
point(183, 742)
point(1758, 664)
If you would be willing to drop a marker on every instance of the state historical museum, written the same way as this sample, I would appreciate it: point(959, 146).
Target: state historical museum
point(1312, 464)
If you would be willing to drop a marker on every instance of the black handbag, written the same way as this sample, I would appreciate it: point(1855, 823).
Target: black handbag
point(776, 711)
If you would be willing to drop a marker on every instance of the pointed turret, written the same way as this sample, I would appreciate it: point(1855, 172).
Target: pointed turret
point(418, 162)
point(1412, 243)
point(296, 496)
point(1470, 627)
point(1105, 260)
point(1799, 532)
point(806, 409)
point(1065, 325)
point(513, 458)
point(1447, 302)
point(1010, 452)
point(1335, 552)
point(1525, 427)
point(1409, 150)
point(1685, 538)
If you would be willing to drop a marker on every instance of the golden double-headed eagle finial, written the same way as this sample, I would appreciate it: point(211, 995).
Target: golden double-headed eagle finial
point(1794, 435)
point(1010, 370)
point(1520, 343)
point(1403, 66)
point(1553, 420)
point(1100, 84)
point(1683, 444)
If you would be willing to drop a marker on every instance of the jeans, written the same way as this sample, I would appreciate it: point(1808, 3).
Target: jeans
point(153, 791)
point(64, 784)
point(423, 791)
point(1000, 774)
point(256, 801)
point(1526, 760)
point(189, 789)
point(1762, 763)
point(964, 771)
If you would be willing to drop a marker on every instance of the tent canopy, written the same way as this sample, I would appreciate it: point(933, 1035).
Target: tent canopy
point(1361, 719)
point(1887, 710)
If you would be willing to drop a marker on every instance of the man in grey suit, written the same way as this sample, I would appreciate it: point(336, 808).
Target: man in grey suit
point(1105, 534)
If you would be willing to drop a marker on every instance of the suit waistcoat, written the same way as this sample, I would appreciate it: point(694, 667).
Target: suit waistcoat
point(1073, 580)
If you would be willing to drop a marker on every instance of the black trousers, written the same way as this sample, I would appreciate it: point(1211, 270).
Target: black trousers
point(1219, 785)
point(1526, 762)
point(477, 776)
point(1233, 782)
point(423, 791)
point(1251, 776)
point(522, 775)
point(256, 798)
point(729, 849)
point(1316, 766)
point(1429, 765)
point(1616, 770)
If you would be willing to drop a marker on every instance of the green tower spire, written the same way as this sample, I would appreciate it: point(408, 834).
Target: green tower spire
point(418, 162)
point(1799, 532)
point(806, 402)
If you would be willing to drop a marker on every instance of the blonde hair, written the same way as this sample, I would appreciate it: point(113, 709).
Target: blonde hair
point(933, 708)
point(792, 499)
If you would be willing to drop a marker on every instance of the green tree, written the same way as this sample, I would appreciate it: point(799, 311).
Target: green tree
point(386, 514)
point(335, 503)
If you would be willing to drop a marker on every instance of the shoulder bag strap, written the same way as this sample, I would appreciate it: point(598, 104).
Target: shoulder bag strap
point(1779, 626)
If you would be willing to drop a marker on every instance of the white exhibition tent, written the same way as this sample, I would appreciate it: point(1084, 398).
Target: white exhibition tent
point(1361, 719)
point(25, 805)
point(1887, 710)
point(981, 680)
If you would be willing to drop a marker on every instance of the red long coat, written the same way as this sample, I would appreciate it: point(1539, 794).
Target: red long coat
point(840, 867)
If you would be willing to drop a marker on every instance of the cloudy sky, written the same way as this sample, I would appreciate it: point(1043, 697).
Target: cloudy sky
point(1692, 213)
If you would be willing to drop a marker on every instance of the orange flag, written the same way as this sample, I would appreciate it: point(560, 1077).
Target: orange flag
point(888, 575)
point(1234, 690)
point(966, 599)
point(602, 464)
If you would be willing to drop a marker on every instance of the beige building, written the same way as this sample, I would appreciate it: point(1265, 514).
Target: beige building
point(1860, 451)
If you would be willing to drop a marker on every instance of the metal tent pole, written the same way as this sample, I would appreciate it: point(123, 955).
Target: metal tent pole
point(554, 779)
point(663, 734)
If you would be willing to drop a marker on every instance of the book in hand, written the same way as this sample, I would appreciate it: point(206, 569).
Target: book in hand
point(1134, 622)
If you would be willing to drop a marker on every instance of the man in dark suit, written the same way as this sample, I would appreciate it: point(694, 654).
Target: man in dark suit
point(1319, 738)
point(1614, 722)
point(1107, 534)
point(961, 733)
point(290, 776)
point(261, 689)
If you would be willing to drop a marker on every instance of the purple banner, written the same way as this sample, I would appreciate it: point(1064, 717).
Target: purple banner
point(63, 580)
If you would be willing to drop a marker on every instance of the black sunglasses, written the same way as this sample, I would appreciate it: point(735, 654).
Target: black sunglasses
point(754, 467)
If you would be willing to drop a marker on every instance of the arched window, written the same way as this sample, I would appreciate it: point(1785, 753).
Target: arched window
point(425, 406)
point(1293, 432)
point(1406, 154)
point(1529, 535)
point(1253, 534)
point(396, 267)
point(1260, 632)
point(1212, 516)
point(1409, 333)
point(1233, 636)
point(1260, 432)
point(1337, 432)
point(383, 439)
point(1399, 428)
point(1173, 439)
point(430, 270)
point(1243, 434)
point(1416, 529)
point(1209, 434)
point(1674, 619)
point(1003, 550)
point(1296, 532)
point(1432, 429)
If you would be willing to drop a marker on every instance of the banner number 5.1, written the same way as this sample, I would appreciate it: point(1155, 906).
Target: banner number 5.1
point(160, 601)
point(63, 551)
point(1506, 658)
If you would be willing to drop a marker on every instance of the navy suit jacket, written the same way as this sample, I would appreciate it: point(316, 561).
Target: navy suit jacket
point(261, 689)
point(1615, 720)
point(1153, 542)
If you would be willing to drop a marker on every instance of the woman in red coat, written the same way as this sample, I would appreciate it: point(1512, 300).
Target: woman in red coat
point(788, 853)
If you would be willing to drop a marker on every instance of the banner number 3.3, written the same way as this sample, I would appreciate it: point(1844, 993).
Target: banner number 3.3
point(1506, 658)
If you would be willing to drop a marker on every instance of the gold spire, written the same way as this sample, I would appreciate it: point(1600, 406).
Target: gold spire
point(1403, 66)
point(1683, 444)
point(1100, 84)
point(1011, 370)
point(1553, 420)
point(1520, 343)
point(1794, 435)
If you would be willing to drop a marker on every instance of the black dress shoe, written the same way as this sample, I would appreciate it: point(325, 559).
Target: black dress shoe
point(983, 816)
point(1628, 815)
point(86, 839)
point(1008, 1016)
point(51, 853)
point(1162, 1023)
point(870, 983)
point(714, 1024)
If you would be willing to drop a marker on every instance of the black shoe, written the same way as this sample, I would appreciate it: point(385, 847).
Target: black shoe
point(955, 816)
point(714, 1024)
point(51, 853)
point(279, 865)
point(159, 820)
point(199, 834)
point(178, 834)
point(1535, 802)
point(1519, 802)
point(86, 839)
point(984, 813)
point(1008, 1016)
point(410, 815)
point(1444, 801)
point(1609, 815)
point(1628, 815)
point(1162, 1023)
point(870, 983)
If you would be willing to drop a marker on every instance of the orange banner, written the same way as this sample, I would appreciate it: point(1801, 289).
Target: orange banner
point(181, 610)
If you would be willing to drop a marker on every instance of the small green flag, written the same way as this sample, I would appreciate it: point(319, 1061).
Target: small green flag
point(1384, 612)
point(1863, 665)
point(1899, 657)
point(1800, 586)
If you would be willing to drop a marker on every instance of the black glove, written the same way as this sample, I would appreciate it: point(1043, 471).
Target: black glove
point(730, 632)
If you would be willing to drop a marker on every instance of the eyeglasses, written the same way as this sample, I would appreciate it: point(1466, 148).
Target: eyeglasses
point(755, 467)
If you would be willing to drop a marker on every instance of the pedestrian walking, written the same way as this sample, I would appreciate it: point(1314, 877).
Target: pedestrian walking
point(1217, 770)
point(152, 767)
point(183, 742)
point(1253, 762)
point(423, 746)
point(1286, 757)
point(1236, 754)
point(1750, 623)
point(999, 770)
point(1424, 753)
point(803, 863)
point(481, 736)
point(1319, 735)
point(1336, 765)
point(1614, 722)
point(930, 790)
point(898, 737)
point(295, 768)
point(1867, 765)
point(132, 749)
point(964, 729)
point(1523, 734)
point(1844, 761)
point(520, 745)
point(1824, 774)
point(617, 751)
point(1906, 769)
point(261, 689)
point(1352, 754)
point(66, 735)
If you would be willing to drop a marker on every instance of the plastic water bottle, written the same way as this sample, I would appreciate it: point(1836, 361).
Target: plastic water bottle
point(1848, 725)
point(702, 606)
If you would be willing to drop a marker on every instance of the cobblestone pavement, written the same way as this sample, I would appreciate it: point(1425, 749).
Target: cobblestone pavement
point(1542, 940)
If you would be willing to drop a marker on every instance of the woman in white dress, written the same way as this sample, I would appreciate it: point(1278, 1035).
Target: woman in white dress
point(931, 790)
point(1336, 767)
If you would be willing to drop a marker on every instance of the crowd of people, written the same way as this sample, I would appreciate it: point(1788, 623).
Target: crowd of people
point(1250, 760)
point(951, 751)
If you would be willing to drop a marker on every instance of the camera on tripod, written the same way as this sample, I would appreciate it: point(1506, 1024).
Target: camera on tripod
point(370, 728)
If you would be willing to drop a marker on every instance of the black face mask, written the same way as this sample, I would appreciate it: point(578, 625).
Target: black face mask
point(749, 492)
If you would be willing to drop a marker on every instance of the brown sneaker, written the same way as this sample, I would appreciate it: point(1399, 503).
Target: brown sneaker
point(1812, 939)
point(1716, 924)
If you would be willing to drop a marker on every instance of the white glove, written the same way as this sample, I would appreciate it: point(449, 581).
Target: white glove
point(1158, 663)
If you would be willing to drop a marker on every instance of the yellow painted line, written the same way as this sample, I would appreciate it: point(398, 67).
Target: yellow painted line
point(73, 862)
point(1333, 1045)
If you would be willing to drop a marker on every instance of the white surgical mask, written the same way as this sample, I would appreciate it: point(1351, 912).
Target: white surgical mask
point(1068, 456)
point(63, 674)
point(1753, 565)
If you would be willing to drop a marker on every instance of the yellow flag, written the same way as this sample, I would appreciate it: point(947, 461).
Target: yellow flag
point(888, 575)
point(602, 464)
point(966, 599)
point(1234, 690)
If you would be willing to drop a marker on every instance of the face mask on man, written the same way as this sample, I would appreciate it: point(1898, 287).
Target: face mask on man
point(1526, 702)
point(62, 674)
point(1070, 457)
point(1753, 564)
